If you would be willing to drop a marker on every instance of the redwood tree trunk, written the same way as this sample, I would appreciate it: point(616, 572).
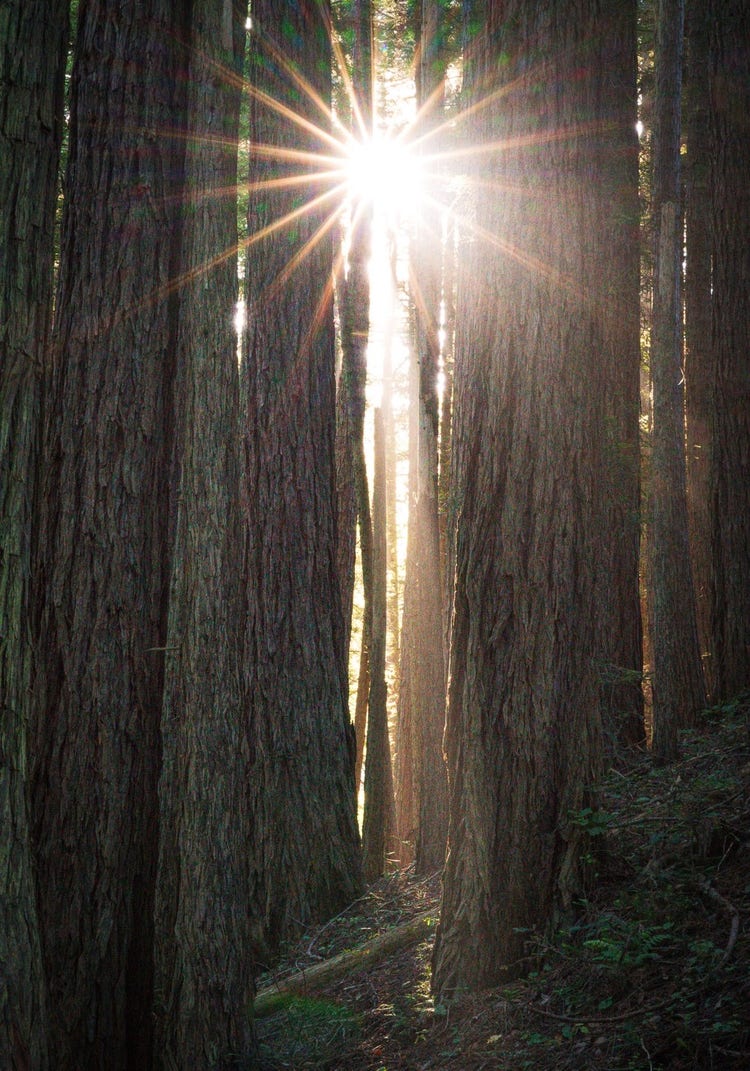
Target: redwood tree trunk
point(354, 315)
point(378, 819)
point(678, 676)
point(698, 300)
point(202, 913)
point(422, 706)
point(619, 603)
point(32, 62)
point(534, 364)
point(103, 530)
point(730, 461)
point(302, 783)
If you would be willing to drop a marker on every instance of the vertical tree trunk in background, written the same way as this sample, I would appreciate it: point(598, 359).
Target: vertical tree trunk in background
point(730, 460)
point(531, 442)
point(378, 820)
point(698, 355)
point(346, 508)
point(393, 646)
point(406, 775)
point(202, 913)
point(446, 513)
point(302, 786)
point(103, 533)
point(354, 313)
point(423, 709)
point(619, 601)
point(32, 63)
point(678, 676)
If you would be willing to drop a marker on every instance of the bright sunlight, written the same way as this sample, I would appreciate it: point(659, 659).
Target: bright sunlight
point(385, 172)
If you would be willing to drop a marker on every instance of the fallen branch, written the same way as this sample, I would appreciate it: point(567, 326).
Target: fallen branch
point(319, 975)
point(733, 913)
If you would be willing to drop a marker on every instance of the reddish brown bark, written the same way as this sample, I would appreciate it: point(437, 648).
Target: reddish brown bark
point(533, 375)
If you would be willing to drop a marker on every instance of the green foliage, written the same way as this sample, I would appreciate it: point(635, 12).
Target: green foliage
point(306, 1033)
point(626, 943)
point(594, 822)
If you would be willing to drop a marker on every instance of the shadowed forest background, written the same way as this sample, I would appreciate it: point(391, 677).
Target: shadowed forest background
point(374, 532)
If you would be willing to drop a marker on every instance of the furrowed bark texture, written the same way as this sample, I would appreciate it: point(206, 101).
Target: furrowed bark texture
point(300, 735)
point(678, 676)
point(730, 462)
point(203, 982)
point(102, 534)
point(32, 62)
point(531, 441)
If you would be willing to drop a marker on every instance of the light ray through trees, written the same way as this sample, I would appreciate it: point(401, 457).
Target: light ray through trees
point(350, 172)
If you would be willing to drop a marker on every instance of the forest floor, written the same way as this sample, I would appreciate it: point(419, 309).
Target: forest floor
point(651, 970)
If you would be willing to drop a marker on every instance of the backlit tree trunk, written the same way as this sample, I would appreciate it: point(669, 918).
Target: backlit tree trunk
point(354, 315)
point(730, 461)
point(534, 360)
point(32, 61)
point(423, 705)
point(302, 747)
point(378, 819)
point(202, 913)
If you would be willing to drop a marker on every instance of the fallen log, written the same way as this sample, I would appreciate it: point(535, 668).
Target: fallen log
point(319, 975)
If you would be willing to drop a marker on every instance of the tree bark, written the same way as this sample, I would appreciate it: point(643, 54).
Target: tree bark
point(202, 909)
point(531, 436)
point(103, 529)
point(301, 743)
point(698, 299)
point(678, 678)
point(32, 63)
point(354, 310)
point(378, 820)
point(423, 709)
point(730, 460)
point(619, 601)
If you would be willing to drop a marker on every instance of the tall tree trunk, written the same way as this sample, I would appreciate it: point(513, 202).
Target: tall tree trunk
point(678, 677)
point(407, 749)
point(32, 63)
point(730, 460)
point(104, 527)
point(393, 647)
point(446, 513)
point(423, 710)
point(346, 505)
point(202, 913)
point(302, 785)
point(378, 820)
point(355, 329)
point(619, 601)
point(530, 452)
point(698, 298)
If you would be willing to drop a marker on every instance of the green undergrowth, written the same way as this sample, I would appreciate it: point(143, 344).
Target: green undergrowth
point(308, 1033)
point(649, 971)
